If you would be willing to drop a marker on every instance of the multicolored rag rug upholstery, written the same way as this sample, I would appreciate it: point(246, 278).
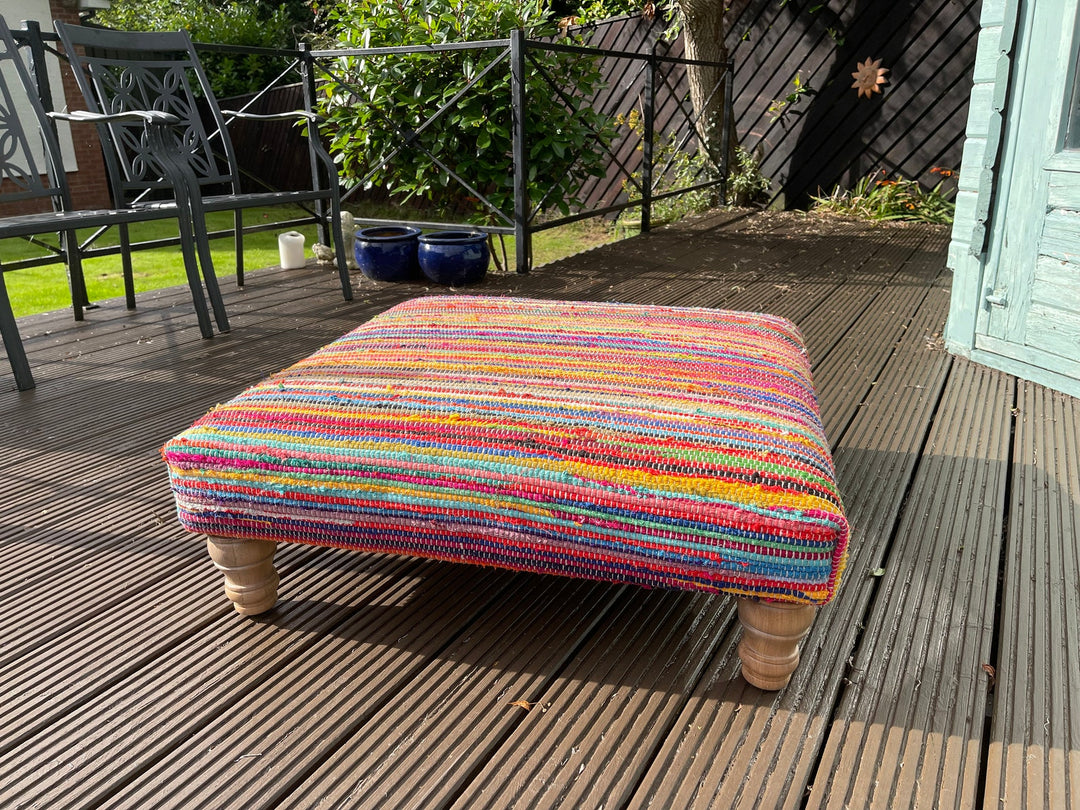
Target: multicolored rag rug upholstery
point(667, 447)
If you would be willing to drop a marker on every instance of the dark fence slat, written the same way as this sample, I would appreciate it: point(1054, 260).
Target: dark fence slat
point(834, 138)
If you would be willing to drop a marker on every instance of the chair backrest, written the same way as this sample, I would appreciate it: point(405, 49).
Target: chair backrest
point(122, 71)
point(18, 166)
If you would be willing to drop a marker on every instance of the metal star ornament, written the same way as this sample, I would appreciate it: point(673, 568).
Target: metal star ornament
point(869, 77)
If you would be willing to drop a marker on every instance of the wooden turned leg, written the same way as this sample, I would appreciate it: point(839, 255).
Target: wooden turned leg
point(250, 579)
point(769, 648)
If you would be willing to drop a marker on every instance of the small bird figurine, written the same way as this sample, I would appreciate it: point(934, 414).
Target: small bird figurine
point(323, 253)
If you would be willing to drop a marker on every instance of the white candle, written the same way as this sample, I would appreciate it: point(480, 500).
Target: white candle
point(291, 248)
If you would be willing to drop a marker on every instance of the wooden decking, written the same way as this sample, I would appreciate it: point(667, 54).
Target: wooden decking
point(945, 674)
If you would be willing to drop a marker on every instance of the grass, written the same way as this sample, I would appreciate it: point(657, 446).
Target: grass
point(555, 244)
point(43, 289)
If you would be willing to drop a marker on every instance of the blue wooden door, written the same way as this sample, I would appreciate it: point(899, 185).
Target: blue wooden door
point(1031, 307)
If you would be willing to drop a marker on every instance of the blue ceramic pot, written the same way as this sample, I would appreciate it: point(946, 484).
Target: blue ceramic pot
point(387, 252)
point(454, 257)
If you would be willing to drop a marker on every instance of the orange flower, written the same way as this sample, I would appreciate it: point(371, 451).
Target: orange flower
point(942, 171)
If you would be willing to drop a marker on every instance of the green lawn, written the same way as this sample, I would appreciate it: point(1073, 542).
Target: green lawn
point(42, 289)
point(548, 246)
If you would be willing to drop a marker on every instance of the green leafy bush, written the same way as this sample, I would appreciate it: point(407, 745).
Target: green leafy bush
point(227, 22)
point(374, 105)
point(746, 184)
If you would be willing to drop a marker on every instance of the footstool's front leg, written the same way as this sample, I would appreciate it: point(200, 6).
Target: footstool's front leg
point(769, 648)
point(250, 578)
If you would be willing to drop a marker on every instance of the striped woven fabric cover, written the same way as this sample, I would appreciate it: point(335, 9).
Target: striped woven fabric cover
point(668, 447)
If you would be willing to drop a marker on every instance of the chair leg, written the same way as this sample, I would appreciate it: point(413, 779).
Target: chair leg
point(192, 237)
point(192, 220)
point(188, 199)
point(206, 261)
point(191, 268)
point(324, 228)
point(238, 245)
point(340, 247)
point(191, 263)
point(9, 331)
point(69, 243)
point(129, 273)
point(319, 156)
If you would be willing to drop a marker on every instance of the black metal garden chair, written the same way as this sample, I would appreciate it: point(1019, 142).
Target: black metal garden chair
point(29, 183)
point(123, 71)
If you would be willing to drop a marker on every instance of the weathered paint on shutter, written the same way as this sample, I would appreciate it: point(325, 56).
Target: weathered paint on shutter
point(1016, 296)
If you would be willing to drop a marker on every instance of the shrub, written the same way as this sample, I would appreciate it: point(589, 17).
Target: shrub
point(227, 22)
point(746, 184)
point(374, 105)
point(680, 169)
point(876, 197)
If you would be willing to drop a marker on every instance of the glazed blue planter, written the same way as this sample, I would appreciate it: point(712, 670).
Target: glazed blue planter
point(454, 258)
point(387, 252)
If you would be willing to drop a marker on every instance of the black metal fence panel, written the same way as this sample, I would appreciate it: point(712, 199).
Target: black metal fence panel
point(561, 124)
point(628, 48)
point(794, 104)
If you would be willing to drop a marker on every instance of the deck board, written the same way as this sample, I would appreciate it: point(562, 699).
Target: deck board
point(127, 681)
point(1034, 753)
point(910, 720)
point(591, 735)
point(412, 749)
point(371, 630)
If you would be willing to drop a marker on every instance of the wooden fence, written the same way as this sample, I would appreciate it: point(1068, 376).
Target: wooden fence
point(271, 153)
point(833, 136)
point(826, 135)
point(623, 93)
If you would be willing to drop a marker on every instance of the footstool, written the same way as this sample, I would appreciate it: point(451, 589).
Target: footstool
point(661, 446)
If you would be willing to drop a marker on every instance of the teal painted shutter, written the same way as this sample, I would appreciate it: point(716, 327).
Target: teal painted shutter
point(1031, 301)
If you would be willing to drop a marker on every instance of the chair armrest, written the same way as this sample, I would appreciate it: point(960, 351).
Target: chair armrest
point(281, 116)
point(312, 119)
point(146, 116)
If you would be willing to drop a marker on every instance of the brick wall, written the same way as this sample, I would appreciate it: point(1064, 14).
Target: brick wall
point(89, 188)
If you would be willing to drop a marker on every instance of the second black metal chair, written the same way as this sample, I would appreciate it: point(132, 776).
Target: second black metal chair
point(122, 71)
point(25, 184)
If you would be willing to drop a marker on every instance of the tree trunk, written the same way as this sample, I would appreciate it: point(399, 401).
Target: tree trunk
point(703, 27)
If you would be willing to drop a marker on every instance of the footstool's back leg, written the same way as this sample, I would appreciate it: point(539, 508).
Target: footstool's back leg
point(769, 649)
point(250, 578)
